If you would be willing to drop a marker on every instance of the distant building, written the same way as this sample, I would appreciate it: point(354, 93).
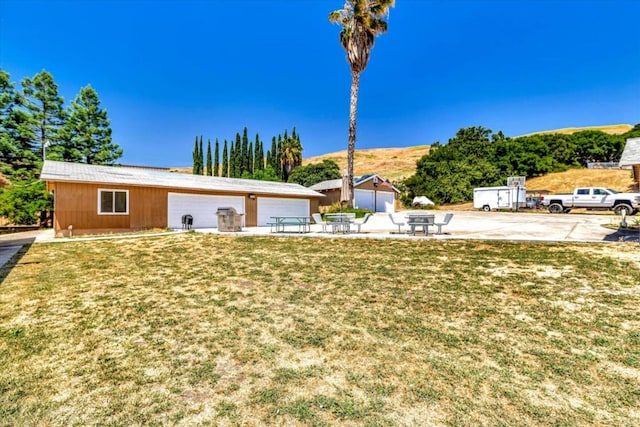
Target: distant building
point(371, 192)
point(631, 157)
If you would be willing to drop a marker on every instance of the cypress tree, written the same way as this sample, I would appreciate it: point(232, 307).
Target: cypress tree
point(225, 160)
point(195, 157)
point(244, 153)
point(209, 163)
point(200, 158)
point(250, 155)
point(274, 155)
point(216, 160)
point(232, 163)
point(258, 161)
point(237, 159)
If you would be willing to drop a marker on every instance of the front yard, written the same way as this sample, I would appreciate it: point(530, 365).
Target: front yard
point(196, 329)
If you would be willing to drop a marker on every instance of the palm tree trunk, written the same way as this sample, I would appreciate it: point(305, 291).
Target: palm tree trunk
point(351, 147)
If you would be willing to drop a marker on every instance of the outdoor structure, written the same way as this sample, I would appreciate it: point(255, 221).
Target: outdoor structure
point(98, 199)
point(370, 192)
point(631, 157)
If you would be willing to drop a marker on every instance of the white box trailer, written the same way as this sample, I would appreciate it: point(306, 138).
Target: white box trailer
point(487, 198)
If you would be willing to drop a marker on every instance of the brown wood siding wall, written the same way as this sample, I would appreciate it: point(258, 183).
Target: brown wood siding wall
point(76, 204)
point(636, 176)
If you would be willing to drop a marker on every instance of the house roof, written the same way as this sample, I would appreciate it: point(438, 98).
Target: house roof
point(114, 175)
point(631, 154)
point(335, 184)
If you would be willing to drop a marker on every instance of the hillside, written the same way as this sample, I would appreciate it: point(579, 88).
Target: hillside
point(397, 163)
point(391, 163)
point(565, 182)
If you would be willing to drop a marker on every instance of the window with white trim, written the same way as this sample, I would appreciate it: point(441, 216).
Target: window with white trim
point(113, 202)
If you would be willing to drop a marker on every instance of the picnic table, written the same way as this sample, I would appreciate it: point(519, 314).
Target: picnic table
point(280, 222)
point(340, 222)
point(420, 220)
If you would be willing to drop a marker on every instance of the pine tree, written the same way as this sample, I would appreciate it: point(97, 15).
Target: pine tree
point(85, 137)
point(194, 170)
point(209, 162)
point(216, 160)
point(225, 161)
point(41, 99)
point(19, 157)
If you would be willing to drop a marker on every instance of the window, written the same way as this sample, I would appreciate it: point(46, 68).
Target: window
point(113, 202)
point(583, 191)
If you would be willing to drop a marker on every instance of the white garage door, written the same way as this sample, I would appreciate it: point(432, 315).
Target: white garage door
point(202, 208)
point(364, 199)
point(269, 206)
point(384, 202)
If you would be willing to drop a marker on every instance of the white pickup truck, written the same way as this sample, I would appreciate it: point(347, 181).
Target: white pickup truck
point(593, 198)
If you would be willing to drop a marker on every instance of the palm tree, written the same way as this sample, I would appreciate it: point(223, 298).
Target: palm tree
point(361, 22)
point(290, 154)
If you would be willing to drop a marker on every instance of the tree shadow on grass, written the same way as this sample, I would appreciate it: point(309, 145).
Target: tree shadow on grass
point(14, 249)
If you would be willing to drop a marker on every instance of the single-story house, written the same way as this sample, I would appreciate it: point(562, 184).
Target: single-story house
point(94, 199)
point(371, 192)
point(631, 157)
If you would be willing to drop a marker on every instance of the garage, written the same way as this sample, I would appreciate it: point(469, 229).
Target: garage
point(365, 199)
point(202, 207)
point(272, 206)
point(385, 202)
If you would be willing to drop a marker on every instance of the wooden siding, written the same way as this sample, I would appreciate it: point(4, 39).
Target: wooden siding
point(636, 176)
point(76, 204)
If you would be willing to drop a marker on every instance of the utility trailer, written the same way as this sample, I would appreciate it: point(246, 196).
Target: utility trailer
point(507, 197)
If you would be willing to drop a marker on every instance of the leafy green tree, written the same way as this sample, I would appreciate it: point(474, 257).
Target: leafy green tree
point(361, 22)
point(209, 162)
point(314, 173)
point(85, 137)
point(216, 160)
point(41, 100)
point(23, 201)
point(267, 174)
point(225, 160)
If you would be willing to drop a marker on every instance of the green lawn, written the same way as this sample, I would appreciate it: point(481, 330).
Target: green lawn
point(213, 330)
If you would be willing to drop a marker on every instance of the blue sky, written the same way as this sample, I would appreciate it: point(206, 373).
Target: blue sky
point(167, 71)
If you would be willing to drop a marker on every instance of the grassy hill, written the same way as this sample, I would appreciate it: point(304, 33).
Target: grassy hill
point(391, 163)
point(397, 163)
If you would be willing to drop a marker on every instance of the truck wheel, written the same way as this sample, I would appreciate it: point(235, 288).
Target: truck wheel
point(623, 207)
point(556, 208)
point(486, 208)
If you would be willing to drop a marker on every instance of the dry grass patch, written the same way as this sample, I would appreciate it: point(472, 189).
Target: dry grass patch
point(200, 329)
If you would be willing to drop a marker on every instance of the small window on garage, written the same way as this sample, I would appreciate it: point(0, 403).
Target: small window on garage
point(113, 202)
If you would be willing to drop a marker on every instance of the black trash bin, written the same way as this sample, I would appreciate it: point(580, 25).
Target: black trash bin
point(187, 222)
